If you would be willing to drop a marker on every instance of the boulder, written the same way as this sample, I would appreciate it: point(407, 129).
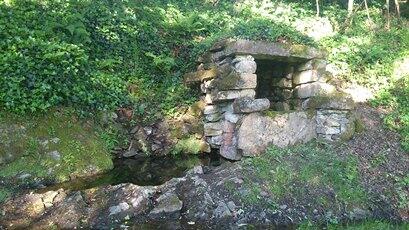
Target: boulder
point(215, 141)
point(257, 132)
point(213, 117)
point(248, 105)
point(231, 117)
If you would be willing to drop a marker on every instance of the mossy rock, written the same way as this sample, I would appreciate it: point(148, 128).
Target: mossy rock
point(189, 145)
point(55, 147)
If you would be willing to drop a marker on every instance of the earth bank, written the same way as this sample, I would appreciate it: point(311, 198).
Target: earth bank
point(316, 183)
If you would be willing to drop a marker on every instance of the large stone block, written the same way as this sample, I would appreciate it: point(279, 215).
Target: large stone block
point(306, 76)
point(314, 89)
point(213, 117)
point(335, 101)
point(271, 50)
point(232, 94)
point(244, 64)
point(200, 75)
point(317, 64)
point(232, 117)
point(210, 109)
point(228, 148)
point(248, 105)
point(215, 141)
point(235, 80)
point(213, 129)
point(257, 132)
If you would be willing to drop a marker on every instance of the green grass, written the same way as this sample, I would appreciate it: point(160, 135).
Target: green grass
point(296, 171)
point(364, 225)
point(396, 99)
point(4, 194)
point(78, 144)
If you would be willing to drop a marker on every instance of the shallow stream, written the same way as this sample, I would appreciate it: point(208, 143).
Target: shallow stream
point(141, 171)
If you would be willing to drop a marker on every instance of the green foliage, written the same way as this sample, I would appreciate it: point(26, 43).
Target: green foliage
point(359, 225)
point(291, 172)
point(37, 74)
point(396, 99)
point(88, 53)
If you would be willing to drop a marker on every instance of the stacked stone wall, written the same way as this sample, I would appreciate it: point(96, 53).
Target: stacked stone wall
point(228, 82)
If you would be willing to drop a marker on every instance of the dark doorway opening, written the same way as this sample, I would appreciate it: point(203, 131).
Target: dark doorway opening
point(274, 82)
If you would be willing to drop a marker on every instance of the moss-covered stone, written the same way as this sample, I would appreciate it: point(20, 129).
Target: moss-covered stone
point(189, 145)
point(55, 147)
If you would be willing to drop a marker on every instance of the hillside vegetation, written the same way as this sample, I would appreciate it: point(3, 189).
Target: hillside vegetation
point(101, 55)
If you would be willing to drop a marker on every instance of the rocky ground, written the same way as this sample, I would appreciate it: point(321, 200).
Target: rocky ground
point(237, 195)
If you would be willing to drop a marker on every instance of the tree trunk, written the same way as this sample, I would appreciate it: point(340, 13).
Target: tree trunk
point(350, 7)
point(367, 10)
point(397, 8)
point(317, 2)
point(388, 15)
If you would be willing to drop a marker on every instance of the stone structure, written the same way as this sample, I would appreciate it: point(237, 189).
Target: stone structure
point(260, 93)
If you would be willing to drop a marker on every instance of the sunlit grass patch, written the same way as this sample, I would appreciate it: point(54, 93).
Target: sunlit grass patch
point(312, 170)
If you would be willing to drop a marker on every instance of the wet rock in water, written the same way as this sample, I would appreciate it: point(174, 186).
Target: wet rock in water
point(168, 203)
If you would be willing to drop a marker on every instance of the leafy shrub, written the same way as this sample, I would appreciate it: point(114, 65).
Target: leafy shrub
point(36, 74)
